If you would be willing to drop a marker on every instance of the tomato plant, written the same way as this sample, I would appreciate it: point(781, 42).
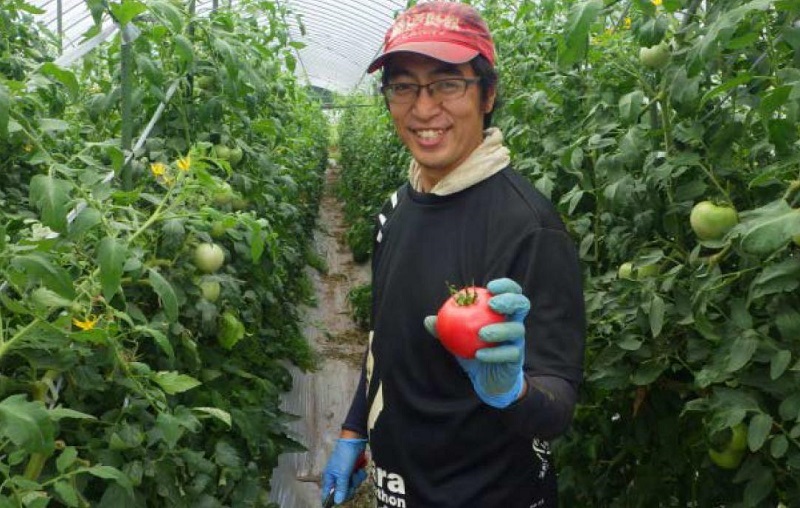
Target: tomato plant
point(128, 378)
point(626, 149)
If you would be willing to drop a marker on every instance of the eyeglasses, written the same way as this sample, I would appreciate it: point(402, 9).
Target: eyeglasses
point(439, 90)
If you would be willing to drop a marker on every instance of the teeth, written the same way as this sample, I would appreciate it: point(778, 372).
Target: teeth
point(430, 133)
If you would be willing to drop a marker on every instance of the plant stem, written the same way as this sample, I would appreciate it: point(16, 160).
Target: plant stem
point(153, 218)
point(714, 180)
point(6, 346)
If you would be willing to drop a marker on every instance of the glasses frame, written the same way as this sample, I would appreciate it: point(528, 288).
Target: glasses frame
point(386, 90)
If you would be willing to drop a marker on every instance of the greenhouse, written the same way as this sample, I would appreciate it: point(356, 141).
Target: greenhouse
point(240, 269)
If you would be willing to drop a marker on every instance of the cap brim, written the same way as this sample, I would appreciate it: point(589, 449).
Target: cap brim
point(444, 51)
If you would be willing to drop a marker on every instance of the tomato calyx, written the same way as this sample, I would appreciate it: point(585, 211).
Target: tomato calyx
point(465, 296)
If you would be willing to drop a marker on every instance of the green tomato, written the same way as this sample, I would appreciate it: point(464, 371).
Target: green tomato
point(628, 270)
point(210, 290)
point(209, 257)
point(223, 152)
point(726, 459)
point(236, 155)
point(218, 229)
point(205, 82)
point(712, 222)
point(647, 271)
point(738, 442)
point(654, 57)
point(625, 271)
point(223, 195)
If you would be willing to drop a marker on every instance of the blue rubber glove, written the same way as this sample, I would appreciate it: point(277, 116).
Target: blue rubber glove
point(339, 474)
point(496, 372)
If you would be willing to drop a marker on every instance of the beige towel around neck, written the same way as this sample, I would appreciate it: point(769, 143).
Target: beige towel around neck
point(489, 158)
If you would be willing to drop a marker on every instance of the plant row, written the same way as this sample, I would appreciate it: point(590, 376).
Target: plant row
point(149, 303)
point(666, 132)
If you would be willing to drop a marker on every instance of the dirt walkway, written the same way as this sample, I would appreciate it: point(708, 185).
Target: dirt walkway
point(320, 399)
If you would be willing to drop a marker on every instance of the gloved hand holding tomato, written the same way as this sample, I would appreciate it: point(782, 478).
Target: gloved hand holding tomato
point(485, 332)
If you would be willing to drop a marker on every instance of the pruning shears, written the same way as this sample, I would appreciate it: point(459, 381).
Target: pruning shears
point(361, 462)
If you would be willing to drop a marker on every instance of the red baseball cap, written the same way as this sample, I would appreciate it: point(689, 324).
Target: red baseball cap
point(448, 31)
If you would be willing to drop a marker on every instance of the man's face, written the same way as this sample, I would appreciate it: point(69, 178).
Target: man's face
point(439, 134)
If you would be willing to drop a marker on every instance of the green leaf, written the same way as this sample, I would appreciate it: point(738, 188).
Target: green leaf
point(774, 100)
point(63, 76)
point(574, 44)
point(50, 196)
point(789, 409)
point(766, 229)
point(27, 424)
point(111, 473)
point(66, 459)
point(226, 456)
point(169, 15)
point(160, 338)
point(779, 364)
point(217, 413)
point(648, 372)
point(758, 431)
point(778, 278)
point(85, 220)
point(779, 446)
point(741, 79)
point(184, 49)
point(230, 330)
point(656, 314)
point(59, 413)
point(97, 8)
point(170, 428)
point(630, 106)
point(37, 266)
point(742, 350)
point(257, 242)
point(53, 125)
point(759, 488)
point(67, 493)
point(49, 299)
point(173, 382)
point(5, 108)
point(721, 30)
point(126, 11)
point(166, 294)
point(111, 257)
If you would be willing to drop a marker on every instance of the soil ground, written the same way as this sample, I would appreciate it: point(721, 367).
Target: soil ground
point(321, 398)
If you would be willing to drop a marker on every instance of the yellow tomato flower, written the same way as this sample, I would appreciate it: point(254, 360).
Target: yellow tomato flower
point(185, 163)
point(657, 2)
point(28, 148)
point(158, 169)
point(628, 23)
point(88, 324)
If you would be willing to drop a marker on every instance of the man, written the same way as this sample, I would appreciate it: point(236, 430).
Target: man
point(445, 431)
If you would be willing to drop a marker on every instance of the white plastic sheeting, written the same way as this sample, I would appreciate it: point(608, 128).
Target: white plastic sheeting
point(341, 37)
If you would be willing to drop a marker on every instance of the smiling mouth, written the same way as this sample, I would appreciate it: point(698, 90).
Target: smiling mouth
point(429, 134)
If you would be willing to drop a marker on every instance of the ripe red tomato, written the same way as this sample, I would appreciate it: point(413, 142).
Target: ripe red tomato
point(460, 318)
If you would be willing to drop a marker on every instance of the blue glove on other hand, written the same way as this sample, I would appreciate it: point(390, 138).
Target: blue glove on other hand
point(339, 474)
point(496, 372)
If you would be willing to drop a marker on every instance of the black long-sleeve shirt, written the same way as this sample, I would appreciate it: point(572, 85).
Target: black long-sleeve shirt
point(433, 442)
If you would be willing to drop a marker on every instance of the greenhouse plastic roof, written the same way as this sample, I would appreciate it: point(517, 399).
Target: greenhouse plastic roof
point(341, 37)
